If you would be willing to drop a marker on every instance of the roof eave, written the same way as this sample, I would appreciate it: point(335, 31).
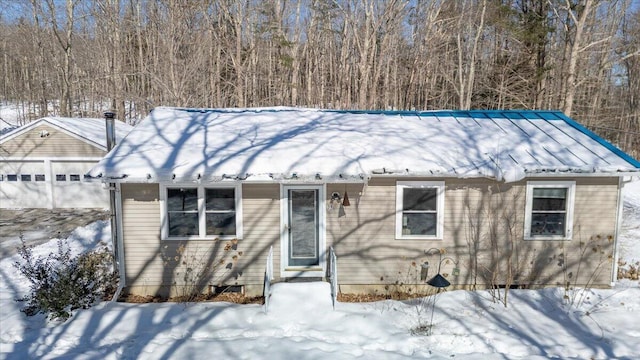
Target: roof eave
point(584, 174)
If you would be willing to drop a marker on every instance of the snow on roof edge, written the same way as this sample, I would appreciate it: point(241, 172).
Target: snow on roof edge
point(359, 178)
point(63, 124)
point(487, 167)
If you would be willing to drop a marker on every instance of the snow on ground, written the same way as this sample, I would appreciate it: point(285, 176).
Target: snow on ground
point(630, 234)
point(301, 323)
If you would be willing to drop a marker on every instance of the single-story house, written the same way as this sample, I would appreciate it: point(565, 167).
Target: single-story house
point(487, 198)
point(42, 163)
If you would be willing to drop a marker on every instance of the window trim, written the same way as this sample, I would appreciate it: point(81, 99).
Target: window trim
point(440, 188)
point(568, 230)
point(202, 214)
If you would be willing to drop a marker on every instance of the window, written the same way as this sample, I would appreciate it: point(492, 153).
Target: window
point(12, 177)
point(419, 209)
point(201, 212)
point(39, 177)
point(182, 211)
point(61, 177)
point(549, 210)
point(220, 211)
point(25, 177)
point(74, 177)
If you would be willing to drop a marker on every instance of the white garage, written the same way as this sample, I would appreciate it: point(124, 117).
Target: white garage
point(42, 164)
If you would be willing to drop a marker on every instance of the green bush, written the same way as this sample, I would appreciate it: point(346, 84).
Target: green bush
point(61, 283)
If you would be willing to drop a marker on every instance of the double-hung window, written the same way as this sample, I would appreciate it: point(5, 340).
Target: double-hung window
point(419, 209)
point(201, 212)
point(182, 212)
point(220, 211)
point(549, 210)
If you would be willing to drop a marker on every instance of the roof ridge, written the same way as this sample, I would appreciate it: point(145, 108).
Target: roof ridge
point(474, 113)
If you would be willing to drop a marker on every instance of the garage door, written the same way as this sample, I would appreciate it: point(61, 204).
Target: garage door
point(23, 184)
point(47, 184)
point(70, 188)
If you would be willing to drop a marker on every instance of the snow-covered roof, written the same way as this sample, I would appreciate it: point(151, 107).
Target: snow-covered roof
point(91, 130)
point(175, 144)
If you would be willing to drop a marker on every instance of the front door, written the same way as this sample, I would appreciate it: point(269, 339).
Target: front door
point(303, 229)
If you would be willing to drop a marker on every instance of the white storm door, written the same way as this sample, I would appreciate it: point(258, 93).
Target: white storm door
point(303, 228)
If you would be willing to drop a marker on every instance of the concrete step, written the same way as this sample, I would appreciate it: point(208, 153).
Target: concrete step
point(300, 297)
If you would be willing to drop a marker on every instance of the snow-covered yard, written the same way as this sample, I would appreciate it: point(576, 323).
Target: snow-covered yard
point(467, 325)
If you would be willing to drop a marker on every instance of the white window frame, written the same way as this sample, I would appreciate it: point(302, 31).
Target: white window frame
point(202, 216)
point(439, 186)
point(571, 188)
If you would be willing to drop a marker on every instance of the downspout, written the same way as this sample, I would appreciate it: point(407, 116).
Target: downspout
point(121, 270)
point(111, 142)
point(616, 255)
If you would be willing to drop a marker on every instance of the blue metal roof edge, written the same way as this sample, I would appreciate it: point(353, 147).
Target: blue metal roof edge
point(598, 139)
point(475, 114)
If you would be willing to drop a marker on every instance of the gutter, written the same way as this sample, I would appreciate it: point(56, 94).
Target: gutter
point(116, 295)
point(616, 242)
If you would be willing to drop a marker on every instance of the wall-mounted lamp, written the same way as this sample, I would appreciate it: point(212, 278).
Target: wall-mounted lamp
point(44, 133)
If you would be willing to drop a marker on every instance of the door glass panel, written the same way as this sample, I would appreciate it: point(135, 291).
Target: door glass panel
point(303, 227)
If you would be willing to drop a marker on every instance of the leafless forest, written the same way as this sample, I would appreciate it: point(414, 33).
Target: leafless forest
point(80, 57)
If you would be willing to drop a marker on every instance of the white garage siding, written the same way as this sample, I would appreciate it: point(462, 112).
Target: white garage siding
point(43, 165)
